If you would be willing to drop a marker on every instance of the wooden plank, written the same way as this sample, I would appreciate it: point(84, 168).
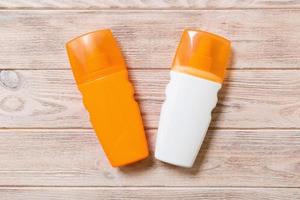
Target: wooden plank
point(260, 38)
point(74, 158)
point(50, 99)
point(145, 4)
point(150, 193)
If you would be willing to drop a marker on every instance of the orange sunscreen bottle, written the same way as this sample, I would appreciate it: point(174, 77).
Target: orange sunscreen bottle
point(101, 75)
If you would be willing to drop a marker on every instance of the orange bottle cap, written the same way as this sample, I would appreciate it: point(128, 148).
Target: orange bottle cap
point(93, 55)
point(202, 54)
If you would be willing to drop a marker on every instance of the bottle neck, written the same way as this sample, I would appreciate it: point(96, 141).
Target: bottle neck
point(99, 74)
point(197, 73)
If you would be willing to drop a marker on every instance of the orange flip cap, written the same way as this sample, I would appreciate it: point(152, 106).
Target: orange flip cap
point(202, 54)
point(101, 75)
point(94, 54)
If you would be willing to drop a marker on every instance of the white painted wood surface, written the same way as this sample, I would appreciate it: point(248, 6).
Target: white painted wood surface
point(73, 157)
point(35, 39)
point(48, 151)
point(248, 99)
point(147, 4)
point(150, 193)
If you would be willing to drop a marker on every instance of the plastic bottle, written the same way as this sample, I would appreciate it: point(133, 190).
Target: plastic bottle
point(196, 77)
point(101, 75)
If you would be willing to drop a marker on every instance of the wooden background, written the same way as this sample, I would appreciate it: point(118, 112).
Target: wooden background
point(49, 151)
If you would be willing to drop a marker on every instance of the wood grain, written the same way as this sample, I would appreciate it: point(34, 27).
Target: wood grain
point(74, 158)
point(248, 99)
point(48, 151)
point(150, 193)
point(260, 38)
point(145, 4)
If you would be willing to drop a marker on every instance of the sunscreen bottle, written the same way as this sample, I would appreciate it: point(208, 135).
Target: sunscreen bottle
point(101, 76)
point(196, 77)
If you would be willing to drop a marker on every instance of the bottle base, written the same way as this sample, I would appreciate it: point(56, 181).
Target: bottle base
point(128, 162)
point(174, 162)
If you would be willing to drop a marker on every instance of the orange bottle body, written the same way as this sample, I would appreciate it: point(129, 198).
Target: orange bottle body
point(108, 97)
point(115, 117)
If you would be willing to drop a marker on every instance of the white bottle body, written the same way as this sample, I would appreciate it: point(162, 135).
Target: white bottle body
point(185, 118)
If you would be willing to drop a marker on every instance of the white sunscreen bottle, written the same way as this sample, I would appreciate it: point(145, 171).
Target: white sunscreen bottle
point(196, 77)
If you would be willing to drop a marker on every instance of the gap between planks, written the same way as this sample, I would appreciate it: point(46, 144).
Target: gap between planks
point(148, 4)
point(149, 129)
point(145, 9)
point(142, 187)
point(153, 69)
